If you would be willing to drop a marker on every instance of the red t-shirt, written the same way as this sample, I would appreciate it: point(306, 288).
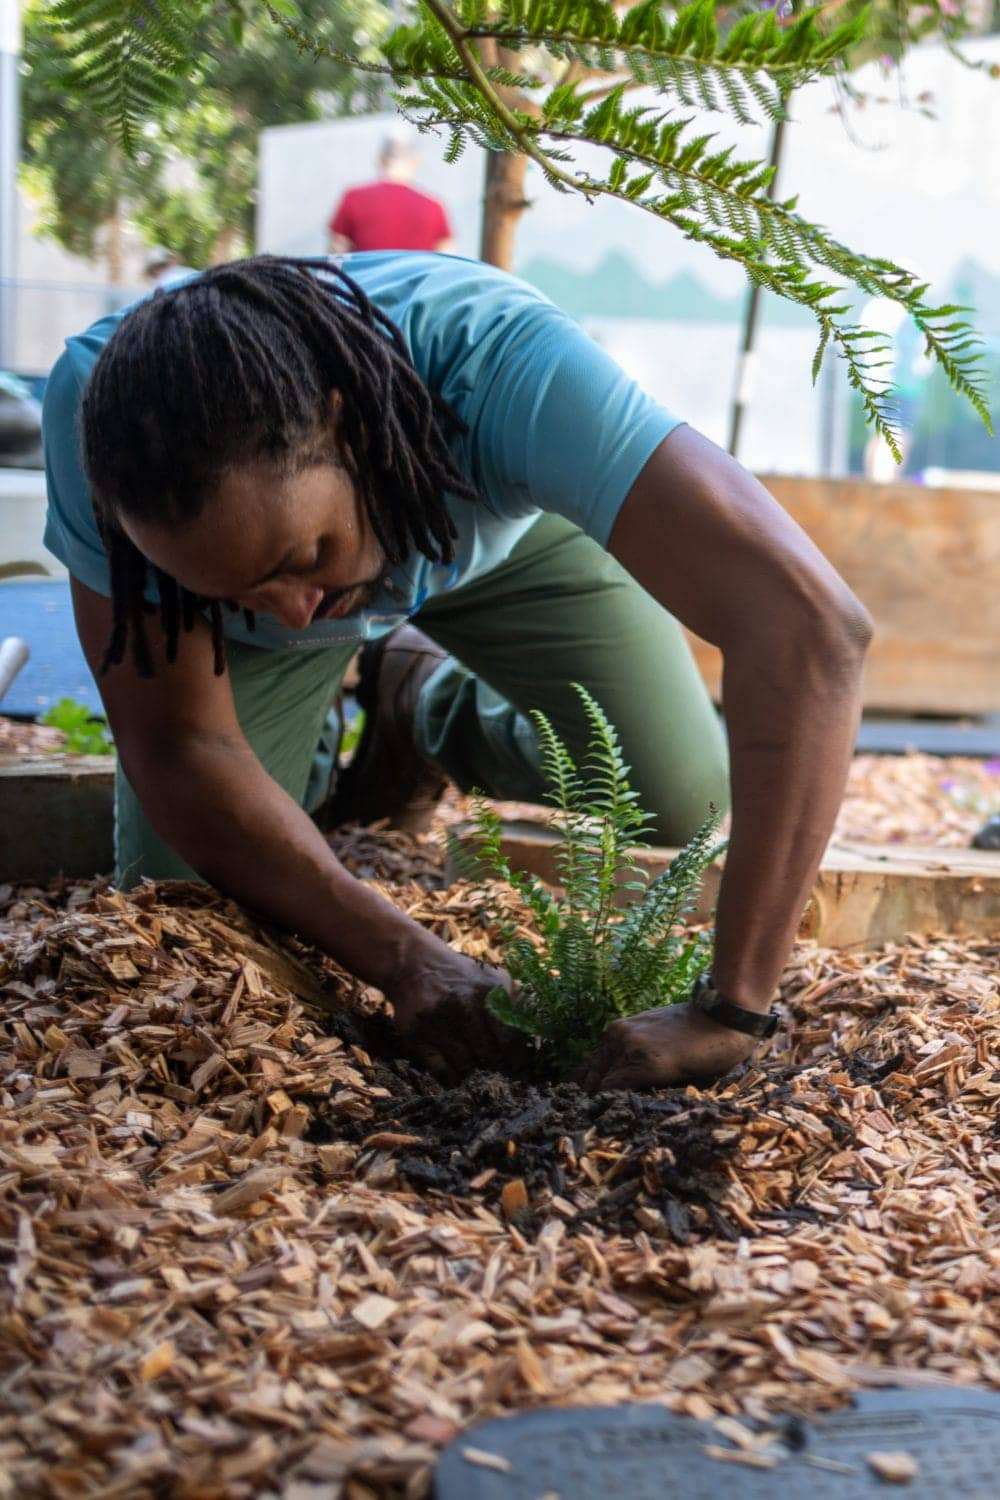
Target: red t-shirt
point(390, 216)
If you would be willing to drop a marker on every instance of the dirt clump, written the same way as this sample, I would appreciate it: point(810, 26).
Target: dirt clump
point(598, 1159)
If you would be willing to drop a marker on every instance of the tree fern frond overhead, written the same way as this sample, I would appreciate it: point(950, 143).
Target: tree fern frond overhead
point(661, 165)
point(128, 55)
point(756, 62)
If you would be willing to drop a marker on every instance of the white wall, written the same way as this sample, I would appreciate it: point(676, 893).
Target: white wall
point(916, 189)
point(60, 294)
point(304, 169)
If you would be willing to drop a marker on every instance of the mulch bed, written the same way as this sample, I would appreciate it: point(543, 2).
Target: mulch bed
point(29, 739)
point(918, 799)
point(246, 1256)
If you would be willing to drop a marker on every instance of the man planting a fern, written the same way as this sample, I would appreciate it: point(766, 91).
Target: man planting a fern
point(279, 461)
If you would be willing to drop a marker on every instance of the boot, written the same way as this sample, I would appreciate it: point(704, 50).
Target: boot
point(387, 776)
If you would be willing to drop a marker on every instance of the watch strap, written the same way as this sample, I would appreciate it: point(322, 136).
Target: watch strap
point(707, 999)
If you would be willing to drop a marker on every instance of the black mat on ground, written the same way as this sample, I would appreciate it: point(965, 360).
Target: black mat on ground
point(976, 737)
point(643, 1453)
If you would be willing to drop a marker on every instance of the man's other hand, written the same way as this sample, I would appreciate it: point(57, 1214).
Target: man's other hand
point(443, 1022)
point(658, 1048)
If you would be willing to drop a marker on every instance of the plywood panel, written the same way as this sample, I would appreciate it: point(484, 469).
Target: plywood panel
point(926, 563)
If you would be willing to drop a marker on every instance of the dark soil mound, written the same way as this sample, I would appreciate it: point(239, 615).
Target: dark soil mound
point(622, 1160)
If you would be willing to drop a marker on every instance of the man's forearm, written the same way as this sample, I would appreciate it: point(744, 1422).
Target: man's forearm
point(792, 710)
point(708, 541)
point(213, 802)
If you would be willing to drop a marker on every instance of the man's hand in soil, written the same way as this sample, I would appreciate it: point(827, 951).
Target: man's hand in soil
point(442, 1020)
point(670, 1045)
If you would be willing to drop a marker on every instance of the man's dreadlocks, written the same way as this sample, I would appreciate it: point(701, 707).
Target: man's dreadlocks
point(238, 366)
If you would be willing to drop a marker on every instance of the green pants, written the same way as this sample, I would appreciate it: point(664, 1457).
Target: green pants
point(558, 611)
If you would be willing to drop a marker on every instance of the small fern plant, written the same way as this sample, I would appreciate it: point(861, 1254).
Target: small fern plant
point(594, 961)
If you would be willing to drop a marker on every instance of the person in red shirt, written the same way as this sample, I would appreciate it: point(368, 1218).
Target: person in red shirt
point(390, 214)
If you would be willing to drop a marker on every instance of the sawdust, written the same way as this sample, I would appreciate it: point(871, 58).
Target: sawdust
point(211, 1292)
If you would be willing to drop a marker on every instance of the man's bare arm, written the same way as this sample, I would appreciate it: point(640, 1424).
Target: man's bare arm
point(711, 545)
point(208, 796)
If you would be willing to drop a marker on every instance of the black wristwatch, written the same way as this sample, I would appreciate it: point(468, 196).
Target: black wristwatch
point(706, 998)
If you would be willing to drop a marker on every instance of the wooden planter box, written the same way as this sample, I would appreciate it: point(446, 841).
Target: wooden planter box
point(865, 894)
point(56, 817)
point(926, 563)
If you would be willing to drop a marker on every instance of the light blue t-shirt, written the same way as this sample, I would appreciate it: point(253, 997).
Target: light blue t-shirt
point(552, 424)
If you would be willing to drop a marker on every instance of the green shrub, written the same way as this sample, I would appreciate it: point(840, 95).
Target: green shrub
point(85, 735)
point(595, 960)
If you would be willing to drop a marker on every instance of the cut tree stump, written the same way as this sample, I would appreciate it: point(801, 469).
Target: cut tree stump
point(865, 894)
point(56, 817)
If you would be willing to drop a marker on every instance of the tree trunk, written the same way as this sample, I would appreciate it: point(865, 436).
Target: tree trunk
point(503, 184)
point(115, 246)
point(227, 244)
point(503, 204)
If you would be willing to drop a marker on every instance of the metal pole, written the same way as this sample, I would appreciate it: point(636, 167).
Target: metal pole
point(10, 138)
point(745, 369)
point(833, 407)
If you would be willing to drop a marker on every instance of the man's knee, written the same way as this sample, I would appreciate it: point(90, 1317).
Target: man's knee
point(692, 792)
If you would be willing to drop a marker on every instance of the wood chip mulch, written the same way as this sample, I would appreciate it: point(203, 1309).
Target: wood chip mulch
point(204, 1297)
point(918, 799)
point(29, 739)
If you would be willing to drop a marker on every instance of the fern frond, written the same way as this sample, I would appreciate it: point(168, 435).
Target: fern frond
point(722, 202)
point(590, 963)
point(485, 856)
point(669, 898)
point(615, 824)
point(756, 63)
point(127, 56)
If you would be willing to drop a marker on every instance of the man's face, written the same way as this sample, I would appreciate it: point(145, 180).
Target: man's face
point(297, 547)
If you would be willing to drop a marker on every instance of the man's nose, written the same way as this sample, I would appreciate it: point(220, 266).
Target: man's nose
point(295, 604)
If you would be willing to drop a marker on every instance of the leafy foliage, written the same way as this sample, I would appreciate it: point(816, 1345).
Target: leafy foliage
point(754, 62)
point(244, 73)
point(85, 735)
point(594, 962)
point(545, 77)
point(128, 56)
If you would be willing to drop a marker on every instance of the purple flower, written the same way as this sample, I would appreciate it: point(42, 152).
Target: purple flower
point(992, 766)
point(947, 783)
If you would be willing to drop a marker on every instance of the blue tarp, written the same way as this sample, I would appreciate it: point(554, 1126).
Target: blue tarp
point(41, 612)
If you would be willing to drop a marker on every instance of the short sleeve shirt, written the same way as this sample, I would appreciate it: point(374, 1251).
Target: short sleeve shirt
point(390, 216)
point(551, 424)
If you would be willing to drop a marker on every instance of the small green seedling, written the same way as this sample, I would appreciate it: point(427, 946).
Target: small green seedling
point(595, 960)
point(85, 735)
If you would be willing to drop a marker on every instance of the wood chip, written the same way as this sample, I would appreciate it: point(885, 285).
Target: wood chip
point(158, 1361)
point(373, 1311)
point(484, 1460)
point(248, 1190)
point(745, 1456)
point(514, 1197)
point(894, 1468)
